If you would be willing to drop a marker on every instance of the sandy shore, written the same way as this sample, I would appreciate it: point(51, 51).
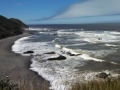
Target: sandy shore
point(16, 66)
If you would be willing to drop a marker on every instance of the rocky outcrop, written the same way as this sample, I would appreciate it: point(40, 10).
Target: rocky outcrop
point(10, 27)
point(50, 53)
point(70, 54)
point(103, 75)
point(58, 58)
point(28, 52)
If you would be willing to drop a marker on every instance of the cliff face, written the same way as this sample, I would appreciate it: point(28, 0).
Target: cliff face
point(10, 27)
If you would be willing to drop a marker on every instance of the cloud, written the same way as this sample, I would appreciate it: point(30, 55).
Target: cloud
point(91, 8)
point(88, 8)
point(43, 19)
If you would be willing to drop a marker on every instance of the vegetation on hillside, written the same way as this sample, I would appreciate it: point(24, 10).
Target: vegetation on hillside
point(10, 27)
point(106, 84)
point(8, 84)
point(20, 23)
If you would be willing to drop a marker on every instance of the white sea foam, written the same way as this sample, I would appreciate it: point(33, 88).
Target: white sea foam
point(111, 45)
point(62, 78)
point(78, 44)
point(19, 43)
point(85, 56)
point(65, 33)
point(58, 46)
point(66, 49)
point(117, 33)
point(23, 45)
point(77, 39)
point(92, 40)
point(100, 37)
point(47, 33)
point(36, 29)
point(96, 53)
point(39, 29)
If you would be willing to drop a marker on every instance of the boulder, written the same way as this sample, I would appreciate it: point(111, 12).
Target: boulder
point(58, 58)
point(72, 54)
point(50, 53)
point(55, 34)
point(28, 52)
point(103, 75)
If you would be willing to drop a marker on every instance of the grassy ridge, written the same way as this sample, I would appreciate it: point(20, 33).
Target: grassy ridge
point(107, 84)
point(8, 84)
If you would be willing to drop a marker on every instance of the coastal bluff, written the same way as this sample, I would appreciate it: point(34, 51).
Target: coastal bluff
point(11, 27)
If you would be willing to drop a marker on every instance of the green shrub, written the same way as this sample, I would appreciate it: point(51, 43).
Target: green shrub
point(6, 84)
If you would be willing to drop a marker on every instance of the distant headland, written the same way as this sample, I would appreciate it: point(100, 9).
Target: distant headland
point(11, 27)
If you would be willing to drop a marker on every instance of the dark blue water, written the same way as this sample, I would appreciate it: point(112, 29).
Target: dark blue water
point(98, 26)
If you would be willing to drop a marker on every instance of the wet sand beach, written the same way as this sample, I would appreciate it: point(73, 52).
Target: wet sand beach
point(17, 66)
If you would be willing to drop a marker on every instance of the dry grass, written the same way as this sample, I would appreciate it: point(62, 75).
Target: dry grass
point(33, 84)
point(107, 84)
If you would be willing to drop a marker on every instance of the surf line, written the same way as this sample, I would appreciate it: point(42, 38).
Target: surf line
point(84, 56)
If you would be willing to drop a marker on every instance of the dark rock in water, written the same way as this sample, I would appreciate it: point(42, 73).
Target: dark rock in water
point(28, 52)
point(99, 38)
point(55, 33)
point(37, 55)
point(50, 53)
point(63, 52)
point(102, 75)
point(72, 54)
point(58, 58)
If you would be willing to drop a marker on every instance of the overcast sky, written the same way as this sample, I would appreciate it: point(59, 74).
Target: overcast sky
point(61, 11)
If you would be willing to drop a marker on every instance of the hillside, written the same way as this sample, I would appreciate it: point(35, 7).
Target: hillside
point(20, 23)
point(10, 27)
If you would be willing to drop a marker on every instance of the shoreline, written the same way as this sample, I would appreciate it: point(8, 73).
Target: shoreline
point(17, 66)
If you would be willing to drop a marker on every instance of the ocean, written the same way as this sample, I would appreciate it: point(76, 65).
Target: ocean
point(88, 50)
